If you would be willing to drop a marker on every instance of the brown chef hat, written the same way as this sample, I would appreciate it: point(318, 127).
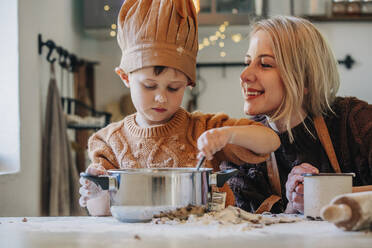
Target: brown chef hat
point(158, 33)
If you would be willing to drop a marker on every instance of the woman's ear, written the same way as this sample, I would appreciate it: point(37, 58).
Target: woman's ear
point(123, 76)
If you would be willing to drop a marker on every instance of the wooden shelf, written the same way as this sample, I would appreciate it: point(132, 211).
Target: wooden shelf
point(340, 18)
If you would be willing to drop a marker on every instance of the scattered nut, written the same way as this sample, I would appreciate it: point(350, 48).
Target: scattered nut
point(137, 237)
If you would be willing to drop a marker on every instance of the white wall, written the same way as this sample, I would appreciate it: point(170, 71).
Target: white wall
point(354, 39)
point(109, 87)
point(20, 192)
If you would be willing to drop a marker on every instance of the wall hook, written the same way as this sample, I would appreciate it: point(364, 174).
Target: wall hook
point(50, 44)
point(348, 61)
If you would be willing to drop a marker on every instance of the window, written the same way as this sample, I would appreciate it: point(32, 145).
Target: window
point(9, 89)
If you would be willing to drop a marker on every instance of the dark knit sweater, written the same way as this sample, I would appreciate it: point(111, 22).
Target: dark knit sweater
point(350, 129)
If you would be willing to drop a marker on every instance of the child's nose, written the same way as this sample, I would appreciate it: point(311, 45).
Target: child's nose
point(160, 98)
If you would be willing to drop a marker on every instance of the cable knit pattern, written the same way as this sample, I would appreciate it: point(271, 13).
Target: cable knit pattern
point(126, 145)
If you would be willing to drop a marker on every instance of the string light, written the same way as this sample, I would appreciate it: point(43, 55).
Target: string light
point(236, 38)
point(106, 7)
point(219, 34)
point(206, 42)
point(113, 26)
point(212, 40)
point(222, 28)
point(113, 33)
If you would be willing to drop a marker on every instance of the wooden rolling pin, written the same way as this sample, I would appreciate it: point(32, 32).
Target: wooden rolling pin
point(350, 212)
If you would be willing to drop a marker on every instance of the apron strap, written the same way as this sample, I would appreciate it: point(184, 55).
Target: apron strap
point(273, 174)
point(274, 179)
point(325, 139)
point(267, 204)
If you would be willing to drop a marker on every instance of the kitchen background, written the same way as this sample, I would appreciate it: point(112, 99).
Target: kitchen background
point(24, 75)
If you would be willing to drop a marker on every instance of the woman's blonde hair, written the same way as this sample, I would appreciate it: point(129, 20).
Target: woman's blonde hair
point(306, 64)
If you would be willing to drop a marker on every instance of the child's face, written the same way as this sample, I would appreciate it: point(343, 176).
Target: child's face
point(156, 98)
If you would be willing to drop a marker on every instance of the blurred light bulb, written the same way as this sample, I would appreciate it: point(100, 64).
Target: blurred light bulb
point(106, 7)
point(113, 26)
point(221, 44)
point(206, 42)
point(222, 54)
point(213, 38)
point(112, 33)
point(236, 38)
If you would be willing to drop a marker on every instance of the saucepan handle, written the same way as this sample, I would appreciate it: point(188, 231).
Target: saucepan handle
point(220, 178)
point(102, 181)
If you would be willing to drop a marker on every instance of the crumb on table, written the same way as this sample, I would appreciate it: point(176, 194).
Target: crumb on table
point(137, 237)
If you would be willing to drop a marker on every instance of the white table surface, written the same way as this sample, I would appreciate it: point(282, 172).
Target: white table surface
point(108, 232)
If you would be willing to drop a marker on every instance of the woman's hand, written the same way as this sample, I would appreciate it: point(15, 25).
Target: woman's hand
point(295, 188)
point(89, 189)
point(212, 141)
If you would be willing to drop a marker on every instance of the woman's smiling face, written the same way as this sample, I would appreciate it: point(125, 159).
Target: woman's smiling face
point(262, 86)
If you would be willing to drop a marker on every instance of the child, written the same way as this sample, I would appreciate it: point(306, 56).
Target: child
point(159, 44)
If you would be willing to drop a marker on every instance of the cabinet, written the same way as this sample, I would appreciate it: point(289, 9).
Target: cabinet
point(236, 12)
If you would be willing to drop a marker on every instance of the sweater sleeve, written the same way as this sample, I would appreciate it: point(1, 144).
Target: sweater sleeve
point(233, 153)
point(100, 150)
point(360, 125)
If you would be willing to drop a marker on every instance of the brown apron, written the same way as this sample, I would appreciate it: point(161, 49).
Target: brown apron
point(273, 174)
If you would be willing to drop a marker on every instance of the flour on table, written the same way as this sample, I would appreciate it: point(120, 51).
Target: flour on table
point(230, 216)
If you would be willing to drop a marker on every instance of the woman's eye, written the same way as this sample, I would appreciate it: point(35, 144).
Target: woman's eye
point(172, 89)
point(266, 65)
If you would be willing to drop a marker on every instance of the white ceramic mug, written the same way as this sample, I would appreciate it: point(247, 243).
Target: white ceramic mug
point(320, 189)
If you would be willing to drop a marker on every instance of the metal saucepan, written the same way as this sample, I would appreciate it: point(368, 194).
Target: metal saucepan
point(137, 194)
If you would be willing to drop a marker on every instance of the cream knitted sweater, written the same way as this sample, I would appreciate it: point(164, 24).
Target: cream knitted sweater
point(124, 144)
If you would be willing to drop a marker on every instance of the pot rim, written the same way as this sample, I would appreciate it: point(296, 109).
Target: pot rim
point(328, 174)
point(159, 171)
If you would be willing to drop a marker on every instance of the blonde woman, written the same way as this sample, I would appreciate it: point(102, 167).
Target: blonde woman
point(290, 84)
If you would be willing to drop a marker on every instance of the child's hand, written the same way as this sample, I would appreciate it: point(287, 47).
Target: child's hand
point(89, 189)
point(213, 140)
